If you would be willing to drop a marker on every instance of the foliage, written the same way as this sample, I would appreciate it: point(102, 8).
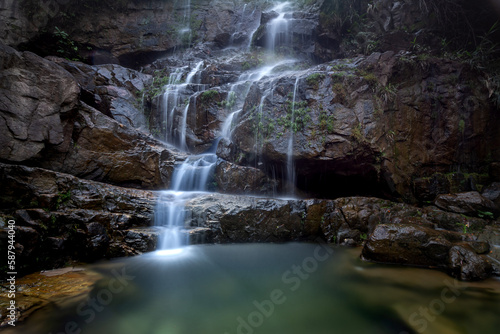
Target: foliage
point(229, 102)
point(66, 47)
point(314, 79)
point(297, 116)
point(208, 95)
point(326, 122)
point(63, 198)
point(485, 214)
point(465, 226)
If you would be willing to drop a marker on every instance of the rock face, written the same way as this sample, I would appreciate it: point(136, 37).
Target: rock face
point(36, 95)
point(112, 89)
point(130, 33)
point(60, 217)
point(369, 118)
point(423, 246)
point(45, 123)
point(470, 203)
point(391, 123)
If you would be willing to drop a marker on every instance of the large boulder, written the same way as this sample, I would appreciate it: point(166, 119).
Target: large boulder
point(116, 91)
point(36, 95)
point(44, 123)
point(409, 244)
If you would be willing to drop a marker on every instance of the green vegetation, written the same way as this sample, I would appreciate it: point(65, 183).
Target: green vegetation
point(314, 79)
point(208, 96)
point(297, 116)
point(229, 102)
point(485, 214)
point(62, 198)
point(357, 133)
point(461, 126)
point(66, 47)
point(326, 122)
point(465, 226)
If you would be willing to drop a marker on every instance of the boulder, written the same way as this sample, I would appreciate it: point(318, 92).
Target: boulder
point(233, 179)
point(492, 192)
point(43, 123)
point(114, 90)
point(423, 246)
point(36, 96)
point(470, 203)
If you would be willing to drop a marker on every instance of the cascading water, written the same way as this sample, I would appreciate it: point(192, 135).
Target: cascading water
point(278, 28)
point(191, 178)
point(176, 96)
point(290, 168)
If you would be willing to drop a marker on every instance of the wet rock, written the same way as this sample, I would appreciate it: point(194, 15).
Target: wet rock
point(244, 219)
point(492, 192)
point(45, 124)
point(350, 123)
point(422, 246)
point(111, 89)
point(234, 179)
point(36, 96)
point(47, 289)
point(61, 218)
point(467, 265)
point(99, 148)
point(469, 203)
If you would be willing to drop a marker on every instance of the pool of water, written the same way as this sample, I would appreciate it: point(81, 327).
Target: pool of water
point(268, 288)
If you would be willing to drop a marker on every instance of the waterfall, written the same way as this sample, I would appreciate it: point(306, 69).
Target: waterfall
point(189, 180)
point(174, 96)
point(185, 33)
point(195, 175)
point(227, 126)
point(290, 165)
point(278, 32)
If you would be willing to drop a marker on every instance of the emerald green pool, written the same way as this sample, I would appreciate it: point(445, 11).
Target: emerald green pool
point(268, 288)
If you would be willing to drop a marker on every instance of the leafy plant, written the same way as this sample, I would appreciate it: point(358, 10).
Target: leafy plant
point(465, 226)
point(63, 198)
point(485, 214)
point(66, 47)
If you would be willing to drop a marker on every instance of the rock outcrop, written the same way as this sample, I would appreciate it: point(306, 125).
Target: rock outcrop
point(423, 246)
point(36, 95)
point(44, 123)
point(60, 217)
point(370, 118)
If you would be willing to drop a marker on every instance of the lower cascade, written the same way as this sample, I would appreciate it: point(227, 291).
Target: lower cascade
point(189, 180)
